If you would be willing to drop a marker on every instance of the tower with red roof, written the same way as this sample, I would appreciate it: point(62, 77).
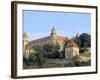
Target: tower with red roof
point(71, 49)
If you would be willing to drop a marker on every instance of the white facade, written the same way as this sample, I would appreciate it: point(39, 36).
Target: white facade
point(71, 51)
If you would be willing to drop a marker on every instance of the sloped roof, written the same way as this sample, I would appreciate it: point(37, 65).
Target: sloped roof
point(39, 40)
point(45, 39)
point(61, 38)
point(71, 43)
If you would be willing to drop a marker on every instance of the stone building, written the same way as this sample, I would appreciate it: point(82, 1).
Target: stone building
point(26, 47)
point(52, 39)
point(71, 48)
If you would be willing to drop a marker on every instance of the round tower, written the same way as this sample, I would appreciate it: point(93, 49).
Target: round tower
point(25, 39)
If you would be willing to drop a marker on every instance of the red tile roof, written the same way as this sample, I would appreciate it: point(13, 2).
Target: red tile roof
point(61, 38)
point(71, 43)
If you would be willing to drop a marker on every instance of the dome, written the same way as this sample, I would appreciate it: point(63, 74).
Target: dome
point(25, 34)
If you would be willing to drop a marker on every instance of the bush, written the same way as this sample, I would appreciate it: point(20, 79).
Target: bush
point(40, 58)
point(53, 55)
point(31, 58)
point(47, 48)
point(24, 60)
point(87, 63)
point(75, 62)
point(82, 50)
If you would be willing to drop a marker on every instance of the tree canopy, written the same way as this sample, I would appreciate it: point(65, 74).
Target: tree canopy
point(84, 40)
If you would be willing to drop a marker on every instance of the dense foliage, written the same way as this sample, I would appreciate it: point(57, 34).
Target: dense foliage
point(50, 51)
point(74, 61)
point(83, 41)
point(41, 53)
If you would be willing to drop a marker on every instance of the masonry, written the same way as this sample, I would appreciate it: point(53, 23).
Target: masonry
point(71, 48)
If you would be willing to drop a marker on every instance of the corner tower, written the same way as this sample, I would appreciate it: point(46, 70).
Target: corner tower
point(25, 39)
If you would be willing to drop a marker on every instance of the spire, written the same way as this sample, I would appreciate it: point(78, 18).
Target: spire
point(53, 35)
point(53, 30)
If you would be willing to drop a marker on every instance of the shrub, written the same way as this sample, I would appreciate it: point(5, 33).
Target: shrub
point(82, 50)
point(53, 55)
point(75, 62)
point(40, 58)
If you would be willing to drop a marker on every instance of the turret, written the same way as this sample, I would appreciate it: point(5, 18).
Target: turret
point(25, 39)
point(53, 32)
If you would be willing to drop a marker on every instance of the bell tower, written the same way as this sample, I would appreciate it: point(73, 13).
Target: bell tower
point(53, 34)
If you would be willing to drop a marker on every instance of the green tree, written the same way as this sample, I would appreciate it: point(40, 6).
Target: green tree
point(75, 61)
point(40, 59)
point(85, 40)
point(47, 47)
point(32, 57)
point(51, 47)
point(55, 48)
point(36, 48)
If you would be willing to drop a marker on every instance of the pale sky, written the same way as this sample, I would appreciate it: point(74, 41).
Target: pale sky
point(39, 23)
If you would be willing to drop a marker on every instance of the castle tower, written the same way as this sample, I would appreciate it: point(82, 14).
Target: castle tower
point(53, 34)
point(71, 49)
point(25, 42)
point(25, 39)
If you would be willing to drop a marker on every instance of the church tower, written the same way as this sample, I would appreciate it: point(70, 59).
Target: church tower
point(53, 34)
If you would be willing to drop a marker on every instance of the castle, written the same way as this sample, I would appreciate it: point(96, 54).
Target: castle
point(71, 48)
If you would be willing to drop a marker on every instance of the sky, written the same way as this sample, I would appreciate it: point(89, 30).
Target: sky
point(39, 23)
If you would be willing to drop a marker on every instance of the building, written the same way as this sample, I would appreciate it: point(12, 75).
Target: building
point(26, 47)
point(71, 47)
point(25, 39)
point(52, 39)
